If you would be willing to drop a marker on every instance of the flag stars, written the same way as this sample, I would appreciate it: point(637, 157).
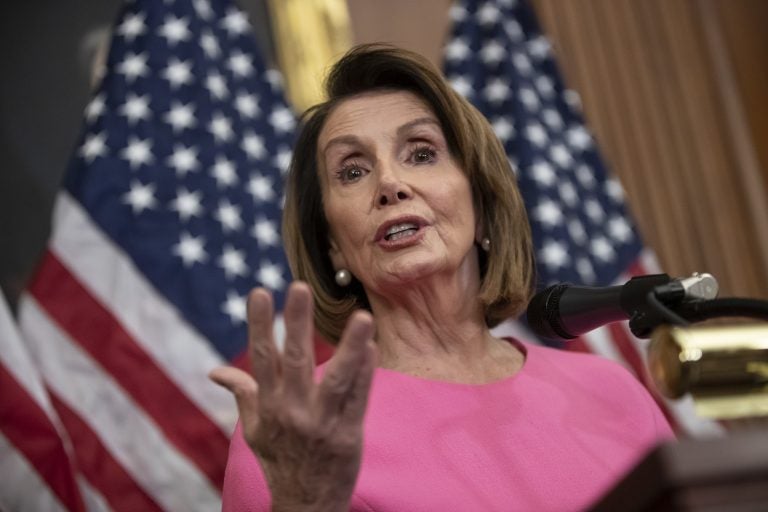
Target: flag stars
point(548, 212)
point(223, 171)
point(496, 91)
point(247, 105)
point(132, 26)
point(180, 116)
point(553, 119)
point(614, 190)
point(579, 138)
point(135, 108)
point(261, 188)
point(216, 85)
point(503, 128)
point(560, 155)
point(568, 193)
point(586, 270)
point(462, 85)
point(457, 13)
point(545, 86)
point(488, 14)
point(229, 216)
point(138, 152)
point(183, 159)
point(282, 119)
point(95, 108)
point(221, 127)
point(191, 249)
point(492, 52)
point(585, 176)
point(529, 98)
point(140, 197)
point(178, 73)
point(203, 9)
point(457, 50)
point(554, 255)
point(233, 262)
point(133, 66)
point(513, 29)
point(210, 44)
point(602, 249)
point(282, 159)
point(240, 64)
point(94, 146)
point(271, 275)
point(522, 63)
point(265, 233)
point(536, 134)
point(187, 204)
point(594, 211)
point(253, 145)
point(619, 229)
point(235, 23)
point(544, 173)
point(234, 307)
point(577, 232)
point(175, 30)
point(539, 47)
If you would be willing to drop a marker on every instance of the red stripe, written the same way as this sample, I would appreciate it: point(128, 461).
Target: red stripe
point(29, 429)
point(622, 339)
point(98, 465)
point(101, 335)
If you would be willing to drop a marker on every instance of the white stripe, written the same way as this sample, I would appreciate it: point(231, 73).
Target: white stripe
point(16, 359)
point(123, 427)
point(94, 501)
point(601, 342)
point(22, 489)
point(151, 321)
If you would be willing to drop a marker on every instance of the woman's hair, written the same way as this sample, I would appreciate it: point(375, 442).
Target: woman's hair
point(507, 270)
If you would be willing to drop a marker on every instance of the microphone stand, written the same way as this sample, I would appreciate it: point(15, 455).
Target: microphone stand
point(724, 367)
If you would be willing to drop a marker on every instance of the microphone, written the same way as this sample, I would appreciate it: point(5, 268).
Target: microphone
point(563, 311)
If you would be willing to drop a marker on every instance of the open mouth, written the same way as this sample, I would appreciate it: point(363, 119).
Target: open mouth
point(399, 231)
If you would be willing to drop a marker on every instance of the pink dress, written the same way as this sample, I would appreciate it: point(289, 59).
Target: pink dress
point(555, 436)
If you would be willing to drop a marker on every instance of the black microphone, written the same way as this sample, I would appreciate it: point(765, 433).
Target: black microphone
point(563, 311)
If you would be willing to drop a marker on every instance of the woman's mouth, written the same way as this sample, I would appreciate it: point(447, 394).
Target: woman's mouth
point(399, 231)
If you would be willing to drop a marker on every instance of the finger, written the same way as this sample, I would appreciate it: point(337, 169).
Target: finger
point(356, 401)
point(342, 371)
point(298, 361)
point(245, 391)
point(261, 344)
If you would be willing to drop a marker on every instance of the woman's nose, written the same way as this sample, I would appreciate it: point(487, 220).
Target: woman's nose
point(392, 189)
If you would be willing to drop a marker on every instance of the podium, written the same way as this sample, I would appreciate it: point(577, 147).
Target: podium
point(727, 474)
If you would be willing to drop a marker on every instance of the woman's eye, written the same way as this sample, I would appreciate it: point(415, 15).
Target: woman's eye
point(423, 155)
point(350, 173)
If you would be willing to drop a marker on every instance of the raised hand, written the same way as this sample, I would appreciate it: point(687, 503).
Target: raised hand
point(307, 436)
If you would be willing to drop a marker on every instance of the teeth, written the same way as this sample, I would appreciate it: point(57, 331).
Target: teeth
point(400, 230)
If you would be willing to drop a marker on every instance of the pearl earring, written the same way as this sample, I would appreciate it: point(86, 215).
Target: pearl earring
point(343, 277)
point(485, 244)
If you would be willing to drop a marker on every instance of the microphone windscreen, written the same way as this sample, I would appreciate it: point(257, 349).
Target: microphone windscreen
point(543, 313)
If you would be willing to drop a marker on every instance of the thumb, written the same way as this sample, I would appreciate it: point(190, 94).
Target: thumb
point(245, 390)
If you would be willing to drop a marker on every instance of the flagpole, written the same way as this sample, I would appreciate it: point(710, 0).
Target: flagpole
point(309, 37)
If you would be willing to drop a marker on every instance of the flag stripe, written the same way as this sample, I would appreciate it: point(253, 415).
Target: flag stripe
point(30, 430)
point(132, 438)
point(97, 331)
point(99, 466)
point(114, 281)
point(18, 474)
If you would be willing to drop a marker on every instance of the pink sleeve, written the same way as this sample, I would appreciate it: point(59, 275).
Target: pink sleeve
point(245, 488)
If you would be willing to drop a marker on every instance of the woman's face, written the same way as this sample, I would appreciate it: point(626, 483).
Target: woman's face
point(398, 206)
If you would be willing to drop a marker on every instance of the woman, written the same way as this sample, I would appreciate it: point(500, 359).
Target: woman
point(401, 207)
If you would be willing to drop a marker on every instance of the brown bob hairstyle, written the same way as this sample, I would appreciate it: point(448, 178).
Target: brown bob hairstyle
point(507, 270)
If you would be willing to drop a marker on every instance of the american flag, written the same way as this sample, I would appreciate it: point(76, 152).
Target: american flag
point(168, 215)
point(498, 58)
